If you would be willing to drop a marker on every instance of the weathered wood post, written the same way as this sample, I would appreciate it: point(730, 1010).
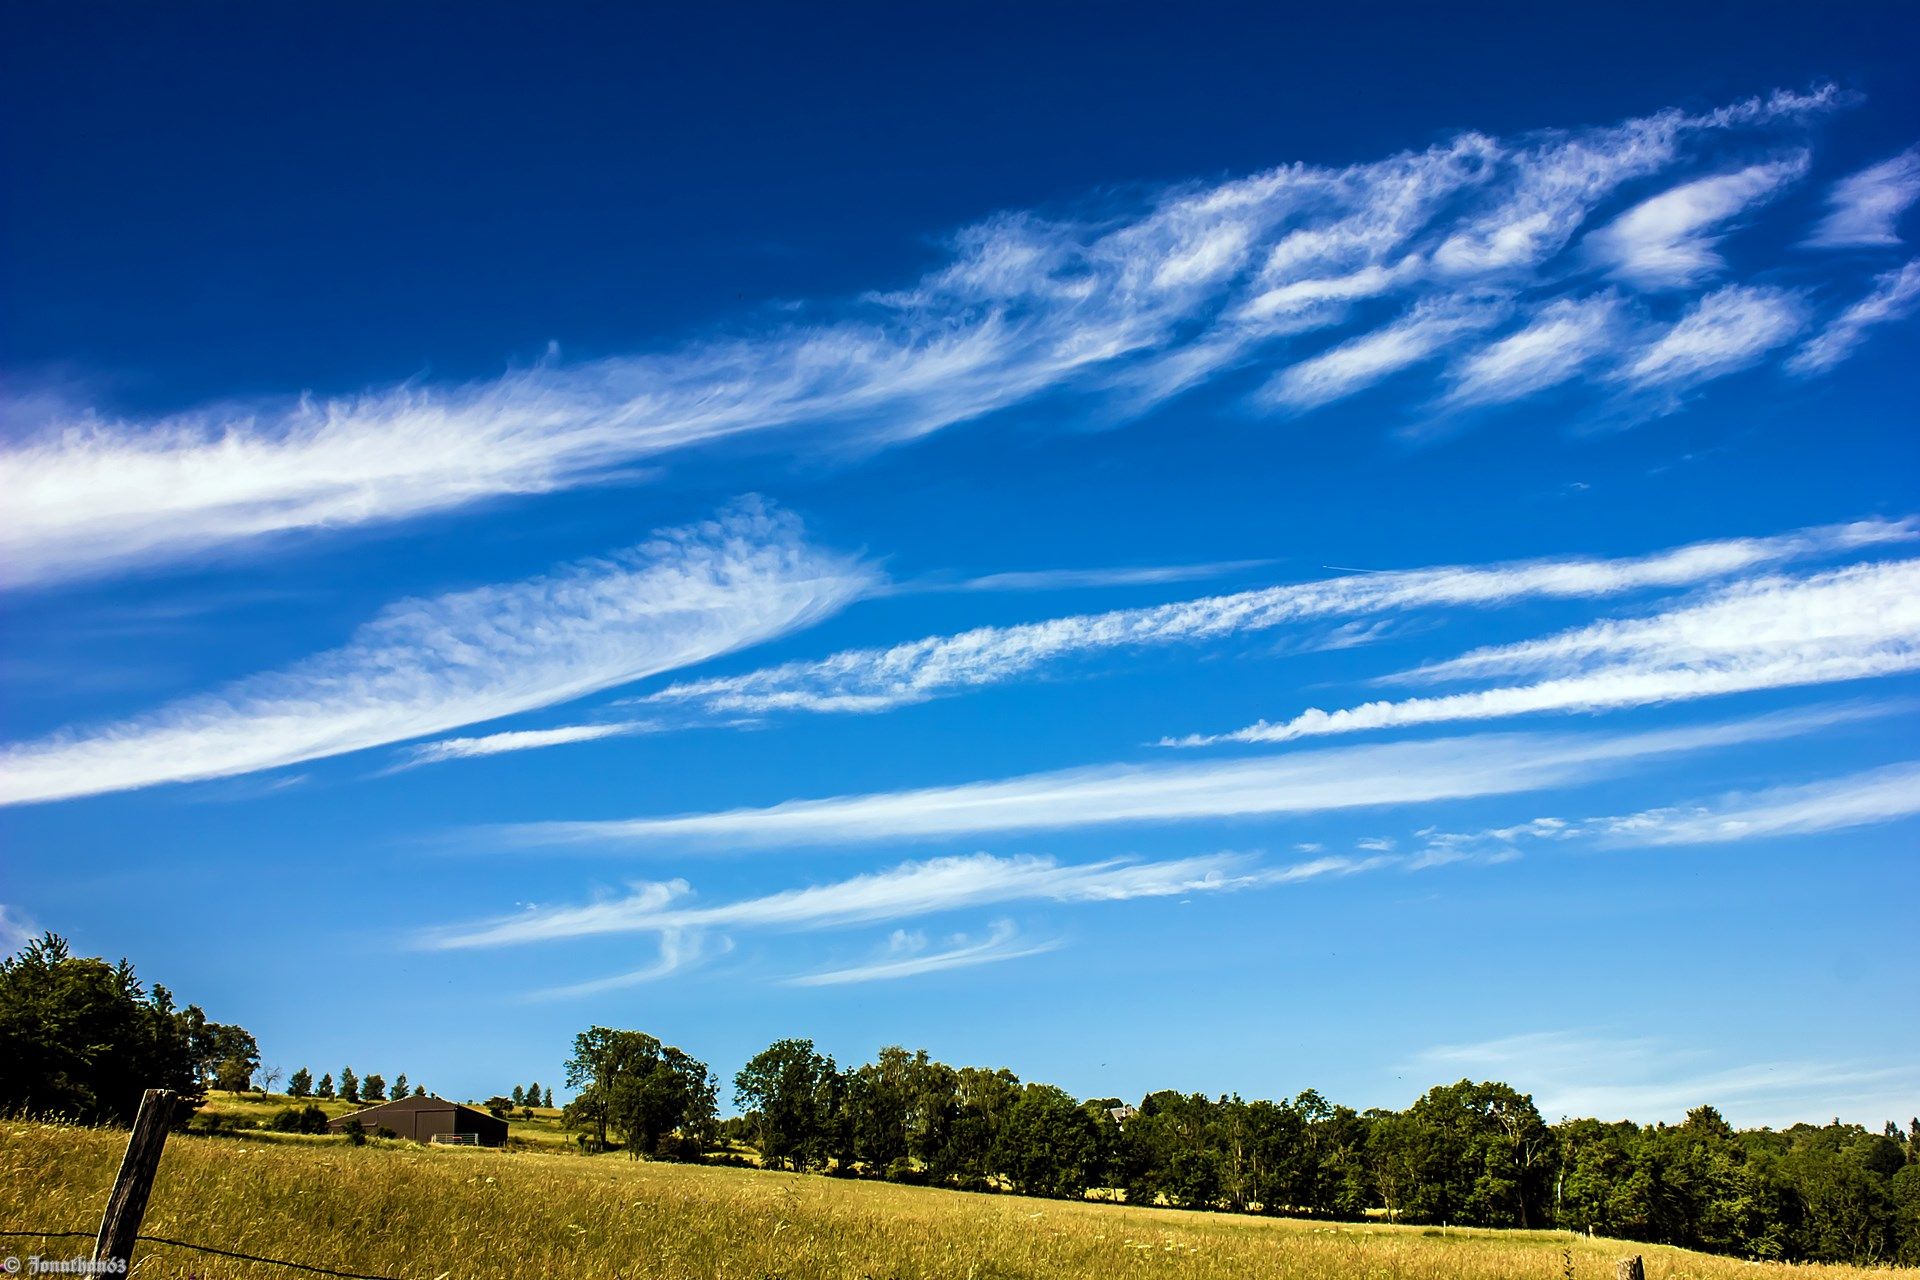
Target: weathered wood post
point(120, 1225)
point(1629, 1269)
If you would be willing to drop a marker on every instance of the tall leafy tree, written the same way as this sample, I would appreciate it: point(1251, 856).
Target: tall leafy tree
point(662, 1093)
point(788, 1090)
point(300, 1084)
point(627, 1082)
point(1485, 1156)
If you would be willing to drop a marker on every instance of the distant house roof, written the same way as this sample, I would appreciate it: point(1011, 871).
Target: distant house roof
point(1123, 1113)
point(421, 1118)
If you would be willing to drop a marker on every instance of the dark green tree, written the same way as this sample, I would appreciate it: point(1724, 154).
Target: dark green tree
point(789, 1090)
point(1903, 1190)
point(629, 1083)
point(300, 1084)
point(661, 1094)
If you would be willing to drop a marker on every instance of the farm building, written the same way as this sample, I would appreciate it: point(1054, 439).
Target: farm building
point(429, 1120)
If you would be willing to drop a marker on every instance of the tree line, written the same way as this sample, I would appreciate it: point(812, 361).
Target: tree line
point(1472, 1153)
point(352, 1088)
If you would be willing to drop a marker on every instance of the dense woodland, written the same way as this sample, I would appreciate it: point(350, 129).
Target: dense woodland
point(81, 1038)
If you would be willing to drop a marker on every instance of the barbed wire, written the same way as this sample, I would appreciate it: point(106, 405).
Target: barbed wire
point(203, 1248)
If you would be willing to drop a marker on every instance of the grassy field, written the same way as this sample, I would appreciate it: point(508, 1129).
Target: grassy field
point(417, 1213)
point(258, 1109)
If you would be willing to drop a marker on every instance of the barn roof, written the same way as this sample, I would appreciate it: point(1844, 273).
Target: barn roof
point(429, 1103)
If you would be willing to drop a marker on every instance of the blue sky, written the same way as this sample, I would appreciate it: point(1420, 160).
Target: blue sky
point(1222, 550)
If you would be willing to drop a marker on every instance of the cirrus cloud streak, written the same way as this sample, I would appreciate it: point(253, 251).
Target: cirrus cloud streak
point(1382, 775)
point(426, 666)
point(1772, 633)
point(868, 680)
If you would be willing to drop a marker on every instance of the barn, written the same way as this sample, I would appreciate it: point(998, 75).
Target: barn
point(429, 1120)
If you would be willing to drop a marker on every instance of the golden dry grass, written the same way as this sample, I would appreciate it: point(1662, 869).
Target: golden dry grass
point(413, 1212)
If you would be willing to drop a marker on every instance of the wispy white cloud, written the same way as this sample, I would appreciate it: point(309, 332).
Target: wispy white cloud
point(865, 680)
point(1137, 303)
point(1863, 209)
point(1360, 362)
point(17, 929)
point(1557, 344)
point(1668, 241)
point(1382, 775)
point(1771, 633)
point(1073, 579)
point(493, 744)
point(1866, 798)
point(1724, 332)
point(911, 890)
point(903, 892)
point(907, 957)
point(1893, 297)
point(1615, 1077)
point(426, 666)
point(1861, 799)
point(680, 949)
point(1562, 177)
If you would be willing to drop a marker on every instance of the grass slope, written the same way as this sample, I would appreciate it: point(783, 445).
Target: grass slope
point(422, 1213)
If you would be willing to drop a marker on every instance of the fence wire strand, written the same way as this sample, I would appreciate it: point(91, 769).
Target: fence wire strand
point(202, 1248)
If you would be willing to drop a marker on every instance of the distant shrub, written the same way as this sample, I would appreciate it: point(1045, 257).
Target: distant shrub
point(356, 1133)
point(307, 1119)
point(681, 1148)
point(904, 1170)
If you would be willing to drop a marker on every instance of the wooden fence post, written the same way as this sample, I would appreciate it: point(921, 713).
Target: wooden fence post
point(1629, 1269)
point(128, 1204)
